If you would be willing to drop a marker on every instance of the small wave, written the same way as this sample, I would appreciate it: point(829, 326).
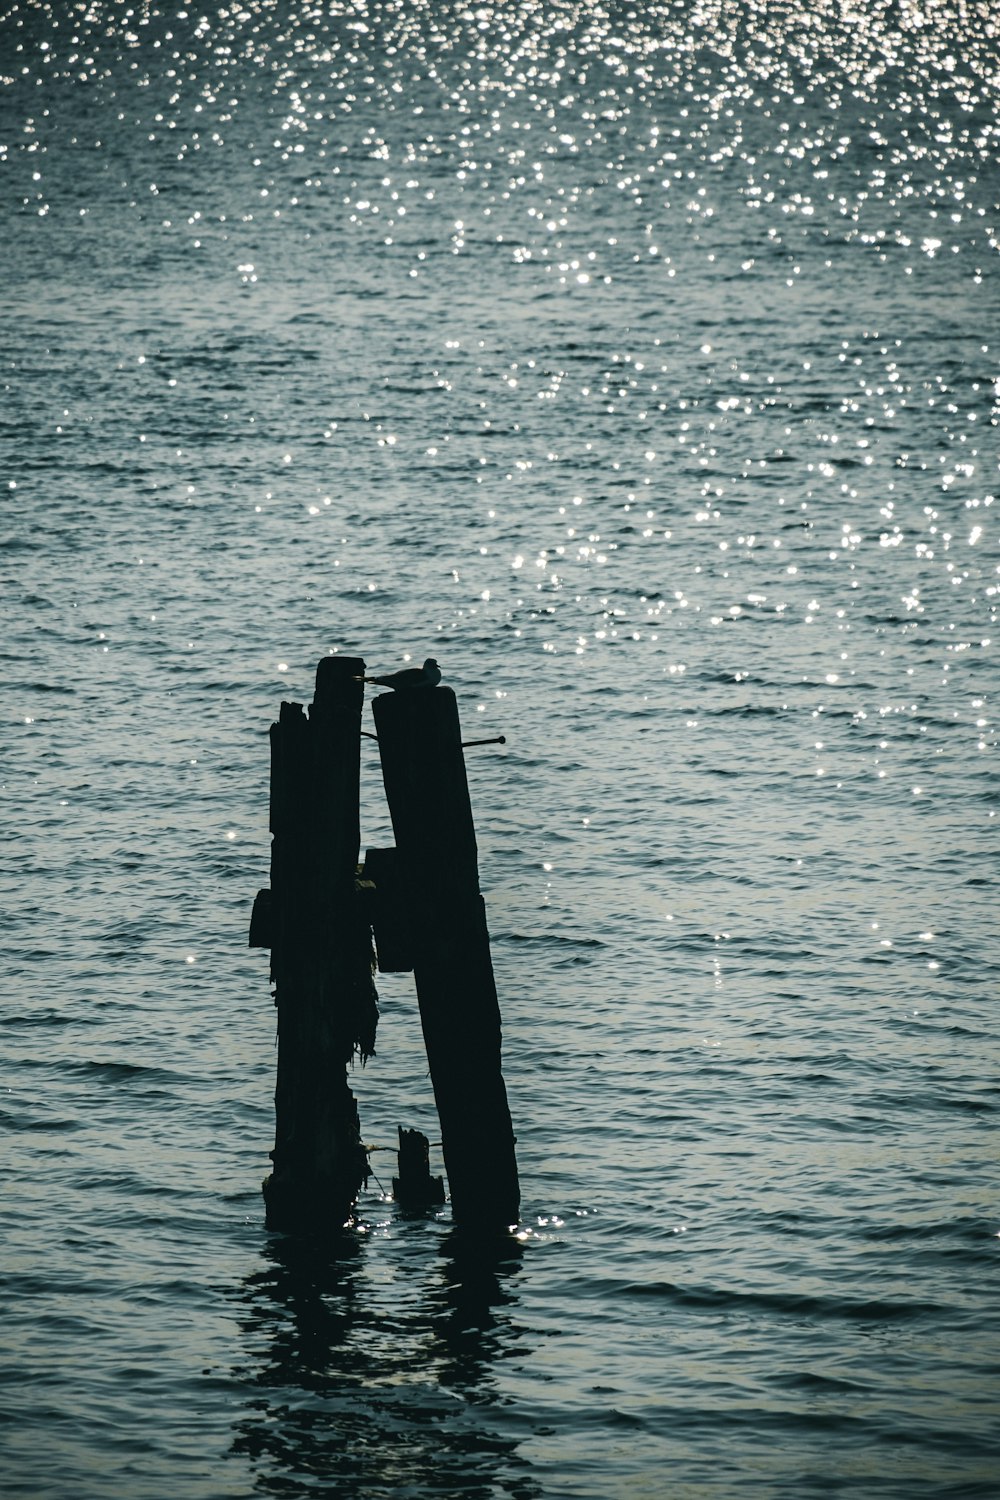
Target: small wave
point(967, 1228)
point(19, 543)
point(29, 1020)
point(548, 940)
point(713, 1299)
point(119, 1072)
point(809, 1380)
point(747, 711)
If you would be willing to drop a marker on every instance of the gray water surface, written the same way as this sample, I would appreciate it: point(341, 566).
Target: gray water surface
point(640, 363)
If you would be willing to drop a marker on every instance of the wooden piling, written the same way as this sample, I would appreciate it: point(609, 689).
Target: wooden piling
point(321, 953)
point(420, 745)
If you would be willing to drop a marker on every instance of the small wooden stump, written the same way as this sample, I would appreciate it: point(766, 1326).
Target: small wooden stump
point(415, 1187)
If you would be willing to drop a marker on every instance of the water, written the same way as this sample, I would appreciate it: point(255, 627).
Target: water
point(640, 364)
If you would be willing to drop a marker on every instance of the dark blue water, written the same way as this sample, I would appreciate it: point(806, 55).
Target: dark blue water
point(640, 363)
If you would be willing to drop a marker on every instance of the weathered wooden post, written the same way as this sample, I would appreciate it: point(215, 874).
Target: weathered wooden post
point(321, 953)
point(420, 745)
point(414, 1187)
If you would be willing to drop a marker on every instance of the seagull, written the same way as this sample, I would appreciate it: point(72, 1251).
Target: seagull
point(429, 675)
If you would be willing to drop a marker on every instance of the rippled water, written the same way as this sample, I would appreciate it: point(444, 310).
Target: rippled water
point(640, 363)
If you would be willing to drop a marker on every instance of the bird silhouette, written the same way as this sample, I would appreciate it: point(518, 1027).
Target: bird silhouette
point(429, 675)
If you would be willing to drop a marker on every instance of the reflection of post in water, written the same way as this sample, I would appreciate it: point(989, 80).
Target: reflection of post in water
point(296, 1309)
point(473, 1290)
point(352, 1387)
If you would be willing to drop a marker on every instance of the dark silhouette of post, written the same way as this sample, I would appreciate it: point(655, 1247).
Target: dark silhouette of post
point(414, 1187)
point(420, 745)
point(321, 953)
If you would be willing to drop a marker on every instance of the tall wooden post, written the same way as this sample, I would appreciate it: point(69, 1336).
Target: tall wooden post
point(321, 954)
point(420, 745)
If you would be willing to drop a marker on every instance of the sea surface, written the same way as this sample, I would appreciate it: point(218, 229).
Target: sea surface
point(640, 363)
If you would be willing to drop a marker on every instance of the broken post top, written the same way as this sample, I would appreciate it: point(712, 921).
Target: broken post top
point(339, 679)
